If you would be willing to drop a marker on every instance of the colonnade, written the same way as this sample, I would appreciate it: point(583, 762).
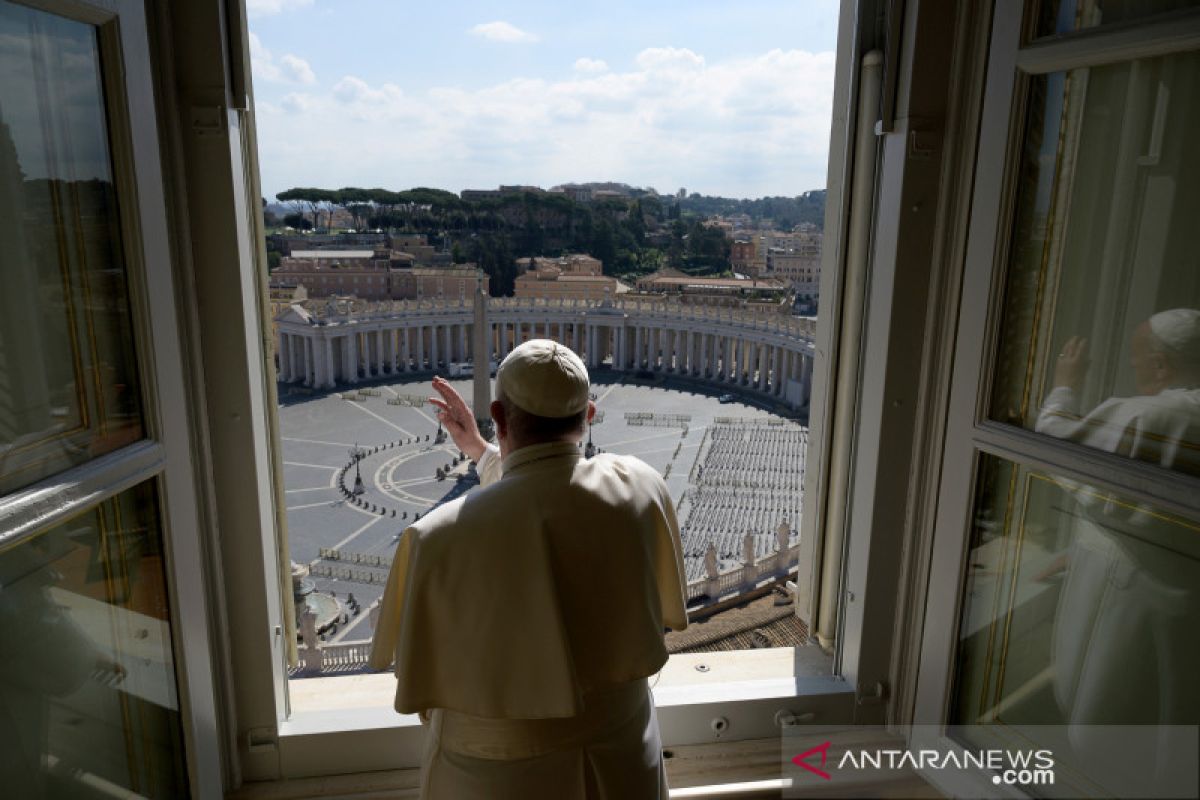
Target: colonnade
point(353, 347)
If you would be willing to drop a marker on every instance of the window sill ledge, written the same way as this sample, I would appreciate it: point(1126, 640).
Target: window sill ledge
point(352, 702)
point(346, 724)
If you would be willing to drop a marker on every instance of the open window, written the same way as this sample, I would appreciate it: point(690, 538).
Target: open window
point(107, 664)
point(1065, 553)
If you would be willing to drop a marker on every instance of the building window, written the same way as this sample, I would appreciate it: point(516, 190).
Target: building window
point(1077, 465)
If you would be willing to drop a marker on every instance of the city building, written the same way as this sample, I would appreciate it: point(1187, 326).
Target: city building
point(1005, 178)
point(700, 290)
point(742, 256)
point(569, 277)
point(282, 296)
point(801, 271)
point(475, 195)
point(380, 274)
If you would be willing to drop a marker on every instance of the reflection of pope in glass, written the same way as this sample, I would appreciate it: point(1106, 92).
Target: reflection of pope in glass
point(1160, 424)
point(1125, 648)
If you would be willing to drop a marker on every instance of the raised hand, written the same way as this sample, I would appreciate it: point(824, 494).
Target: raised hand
point(1072, 364)
point(457, 418)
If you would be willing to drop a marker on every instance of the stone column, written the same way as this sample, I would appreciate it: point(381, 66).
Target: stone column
point(327, 353)
point(776, 368)
point(354, 356)
point(407, 352)
point(806, 370)
point(304, 362)
point(481, 356)
point(285, 368)
point(296, 357)
point(308, 360)
point(433, 348)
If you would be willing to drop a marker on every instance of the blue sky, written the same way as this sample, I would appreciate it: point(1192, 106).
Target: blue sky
point(721, 98)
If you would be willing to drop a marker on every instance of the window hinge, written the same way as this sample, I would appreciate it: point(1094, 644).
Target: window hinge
point(262, 740)
point(208, 120)
point(877, 697)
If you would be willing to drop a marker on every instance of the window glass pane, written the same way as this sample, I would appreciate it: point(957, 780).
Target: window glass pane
point(68, 381)
point(1080, 608)
point(87, 680)
point(1101, 333)
point(1065, 16)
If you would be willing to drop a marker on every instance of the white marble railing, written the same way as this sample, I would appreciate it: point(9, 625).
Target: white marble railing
point(744, 578)
point(317, 657)
point(347, 310)
point(335, 656)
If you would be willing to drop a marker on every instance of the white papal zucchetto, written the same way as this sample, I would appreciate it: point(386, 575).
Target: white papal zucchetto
point(544, 378)
point(1178, 330)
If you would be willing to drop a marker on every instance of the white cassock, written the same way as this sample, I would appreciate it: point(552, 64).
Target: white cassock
point(525, 617)
point(1125, 643)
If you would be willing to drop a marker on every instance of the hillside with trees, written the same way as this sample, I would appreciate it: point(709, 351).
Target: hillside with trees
point(632, 235)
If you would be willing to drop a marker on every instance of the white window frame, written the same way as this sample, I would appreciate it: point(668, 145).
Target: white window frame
point(213, 179)
point(970, 434)
point(166, 453)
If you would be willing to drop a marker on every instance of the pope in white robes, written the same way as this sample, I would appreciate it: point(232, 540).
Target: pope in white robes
point(524, 618)
point(1124, 647)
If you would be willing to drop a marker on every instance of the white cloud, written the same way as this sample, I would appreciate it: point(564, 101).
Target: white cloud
point(287, 69)
point(262, 64)
point(266, 8)
point(298, 102)
point(500, 31)
point(296, 69)
point(662, 59)
point(367, 103)
point(590, 65)
point(748, 127)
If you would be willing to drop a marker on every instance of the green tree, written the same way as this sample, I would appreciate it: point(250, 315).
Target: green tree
point(297, 221)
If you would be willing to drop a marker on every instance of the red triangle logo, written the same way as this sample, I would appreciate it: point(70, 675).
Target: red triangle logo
point(823, 749)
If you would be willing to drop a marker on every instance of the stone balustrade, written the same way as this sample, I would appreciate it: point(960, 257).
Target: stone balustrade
point(318, 657)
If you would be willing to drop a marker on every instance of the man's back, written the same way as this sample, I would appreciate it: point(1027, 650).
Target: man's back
point(554, 580)
point(525, 618)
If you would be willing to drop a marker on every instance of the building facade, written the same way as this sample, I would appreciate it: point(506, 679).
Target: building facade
point(344, 341)
point(380, 274)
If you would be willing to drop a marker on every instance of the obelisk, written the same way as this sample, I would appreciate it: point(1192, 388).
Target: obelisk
point(481, 354)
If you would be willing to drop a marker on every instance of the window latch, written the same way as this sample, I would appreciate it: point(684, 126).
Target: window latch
point(877, 697)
